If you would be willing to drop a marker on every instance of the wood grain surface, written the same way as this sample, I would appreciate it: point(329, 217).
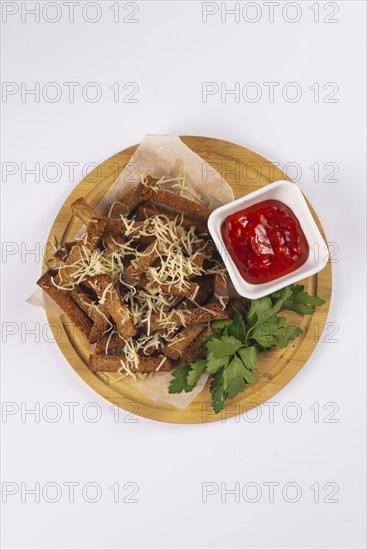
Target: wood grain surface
point(245, 171)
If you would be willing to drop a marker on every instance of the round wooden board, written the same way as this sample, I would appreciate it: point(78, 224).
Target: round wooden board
point(245, 171)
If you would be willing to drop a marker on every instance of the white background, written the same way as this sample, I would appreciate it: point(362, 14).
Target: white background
point(169, 52)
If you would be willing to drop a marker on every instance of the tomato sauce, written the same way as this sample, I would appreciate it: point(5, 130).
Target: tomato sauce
point(265, 241)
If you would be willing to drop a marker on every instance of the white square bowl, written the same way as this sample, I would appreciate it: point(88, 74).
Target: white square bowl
point(290, 195)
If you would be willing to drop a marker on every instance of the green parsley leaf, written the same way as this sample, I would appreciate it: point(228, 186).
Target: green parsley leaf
point(221, 323)
point(217, 391)
point(248, 356)
point(299, 300)
point(223, 346)
point(196, 370)
point(235, 376)
point(213, 364)
point(179, 382)
point(185, 378)
point(249, 377)
point(275, 332)
point(259, 310)
point(238, 327)
point(283, 295)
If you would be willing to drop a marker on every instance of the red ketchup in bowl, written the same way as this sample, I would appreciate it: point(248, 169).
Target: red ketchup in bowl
point(265, 241)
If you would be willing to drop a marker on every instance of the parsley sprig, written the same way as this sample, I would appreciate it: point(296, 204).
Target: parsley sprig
point(232, 349)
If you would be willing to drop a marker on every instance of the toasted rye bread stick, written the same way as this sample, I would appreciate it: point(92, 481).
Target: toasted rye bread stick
point(186, 317)
point(132, 274)
point(72, 261)
point(98, 313)
point(114, 242)
point(148, 210)
point(206, 288)
point(123, 226)
point(107, 343)
point(70, 266)
point(63, 252)
point(175, 348)
point(93, 234)
point(204, 294)
point(124, 206)
point(220, 288)
point(113, 363)
point(189, 290)
point(108, 296)
point(115, 211)
point(69, 307)
point(193, 351)
point(84, 211)
point(130, 201)
point(198, 260)
point(193, 209)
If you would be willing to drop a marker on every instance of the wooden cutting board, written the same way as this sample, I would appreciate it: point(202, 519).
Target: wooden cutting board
point(245, 171)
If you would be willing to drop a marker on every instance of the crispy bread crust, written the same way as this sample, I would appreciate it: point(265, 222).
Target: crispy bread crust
point(112, 363)
point(193, 209)
point(185, 317)
point(84, 211)
point(98, 314)
point(184, 338)
point(68, 306)
point(103, 287)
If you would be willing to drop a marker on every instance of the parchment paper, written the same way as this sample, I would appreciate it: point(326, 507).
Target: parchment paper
point(168, 156)
point(161, 155)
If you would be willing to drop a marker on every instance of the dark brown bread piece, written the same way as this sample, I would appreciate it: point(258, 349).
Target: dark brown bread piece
point(93, 235)
point(175, 348)
point(112, 363)
point(186, 317)
point(84, 211)
point(77, 251)
point(189, 290)
point(115, 211)
point(96, 223)
point(110, 342)
point(98, 313)
point(124, 206)
point(221, 288)
point(147, 210)
point(130, 201)
point(114, 242)
point(193, 209)
point(193, 351)
point(66, 272)
point(198, 261)
point(103, 287)
point(61, 254)
point(69, 307)
point(120, 227)
point(206, 289)
point(132, 274)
